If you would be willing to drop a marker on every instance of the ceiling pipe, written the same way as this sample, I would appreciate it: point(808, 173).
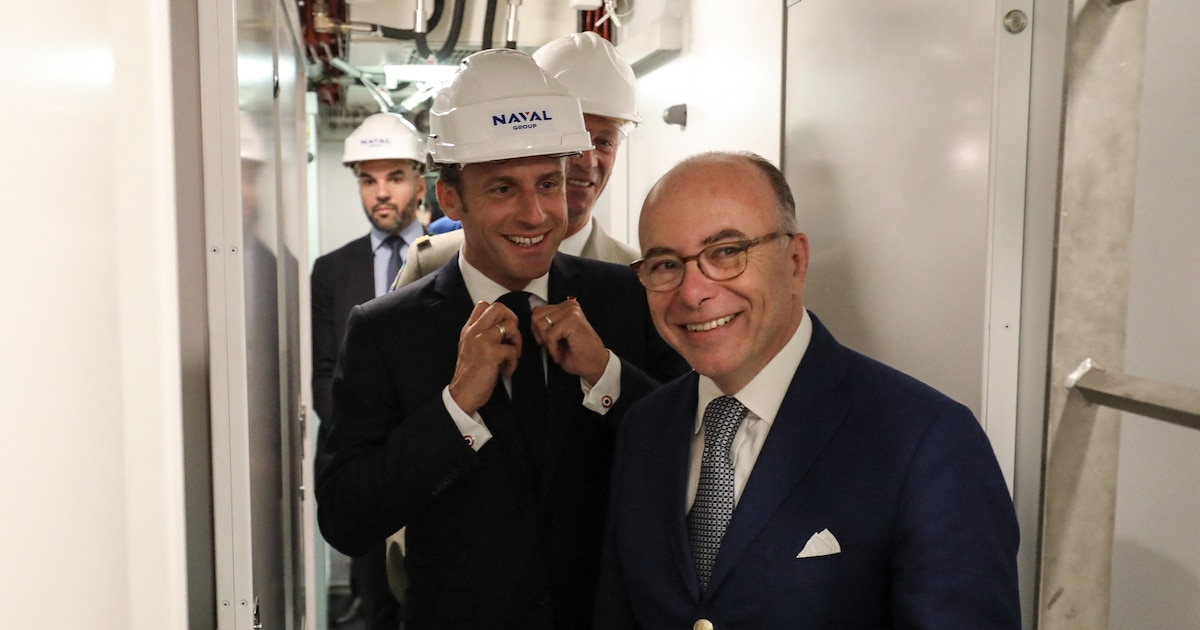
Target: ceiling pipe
point(511, 26)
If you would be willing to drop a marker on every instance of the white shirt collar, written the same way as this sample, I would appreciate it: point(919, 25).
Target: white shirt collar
point(574, 243)
point(483, 289)
point(763, 395)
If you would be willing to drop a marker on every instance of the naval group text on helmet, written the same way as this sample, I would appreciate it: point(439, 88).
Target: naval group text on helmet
point(525, 119)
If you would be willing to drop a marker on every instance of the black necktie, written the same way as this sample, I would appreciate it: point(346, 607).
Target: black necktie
point(393, 269)
point(713, 506)
point(529, 380)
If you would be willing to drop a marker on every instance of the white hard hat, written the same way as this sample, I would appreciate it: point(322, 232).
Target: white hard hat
point(384, 136)
point(594, 72)
point(501, 105)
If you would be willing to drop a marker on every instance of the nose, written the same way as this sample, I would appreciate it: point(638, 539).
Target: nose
point(531, 207)
point(695, 287)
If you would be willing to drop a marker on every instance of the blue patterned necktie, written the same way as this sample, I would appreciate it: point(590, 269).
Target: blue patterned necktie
point(713, 506)
point(393, 269)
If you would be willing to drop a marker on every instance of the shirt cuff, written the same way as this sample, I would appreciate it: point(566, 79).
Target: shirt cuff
point(475, 433)
point(604, 394)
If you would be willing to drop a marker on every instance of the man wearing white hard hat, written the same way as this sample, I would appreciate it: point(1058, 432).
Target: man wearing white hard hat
point(387, 156)
point(477, 407)
point(603, 81)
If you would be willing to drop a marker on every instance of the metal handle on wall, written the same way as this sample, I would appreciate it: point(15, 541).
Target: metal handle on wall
point(1162, 401)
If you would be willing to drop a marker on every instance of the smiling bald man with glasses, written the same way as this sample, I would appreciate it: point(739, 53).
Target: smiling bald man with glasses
point(789, 482)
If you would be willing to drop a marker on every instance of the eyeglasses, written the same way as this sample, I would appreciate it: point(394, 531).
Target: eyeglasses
point(719, 261)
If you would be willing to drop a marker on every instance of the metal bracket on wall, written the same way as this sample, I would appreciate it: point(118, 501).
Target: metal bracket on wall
point(676, 115)
point(1161, 401)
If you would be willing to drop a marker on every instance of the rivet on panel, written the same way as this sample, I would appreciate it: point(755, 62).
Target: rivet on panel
point(1015, 21)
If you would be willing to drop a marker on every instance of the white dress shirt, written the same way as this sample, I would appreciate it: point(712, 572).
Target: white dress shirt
point(598, 397)
point(762, 396)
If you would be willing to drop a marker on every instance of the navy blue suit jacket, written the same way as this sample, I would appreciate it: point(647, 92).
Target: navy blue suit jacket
point(901, 475)
point(491, 544)
point(341, 280)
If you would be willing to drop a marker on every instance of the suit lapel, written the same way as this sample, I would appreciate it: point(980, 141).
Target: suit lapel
point(680, 421)
point(360, 279)
point(811, 413)
point(564, 397)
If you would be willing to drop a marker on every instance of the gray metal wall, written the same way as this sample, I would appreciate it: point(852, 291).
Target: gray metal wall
point(1156, 547)
point(193, 317)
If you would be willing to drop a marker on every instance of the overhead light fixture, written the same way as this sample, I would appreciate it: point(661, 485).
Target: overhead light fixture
point(394, 74)
point(381, 96)
point(423, 94)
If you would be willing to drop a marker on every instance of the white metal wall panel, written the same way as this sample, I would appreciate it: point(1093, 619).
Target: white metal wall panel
point(905, 144)
point(91, 461)
point(887, 142)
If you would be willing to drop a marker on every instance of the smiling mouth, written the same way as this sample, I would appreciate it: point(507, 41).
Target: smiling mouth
point(526, 241)
point(706, 326)
point(579, 182)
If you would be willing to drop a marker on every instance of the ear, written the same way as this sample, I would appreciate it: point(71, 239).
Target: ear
point(449, 200)
point(799, 252)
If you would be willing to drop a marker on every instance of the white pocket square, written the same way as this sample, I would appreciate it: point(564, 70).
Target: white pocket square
point(821, 543)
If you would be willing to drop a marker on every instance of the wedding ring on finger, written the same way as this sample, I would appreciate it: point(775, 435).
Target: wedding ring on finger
point(549, 322)
point(503, 333)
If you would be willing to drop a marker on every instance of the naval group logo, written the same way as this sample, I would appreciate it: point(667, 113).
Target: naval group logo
point(517, 121)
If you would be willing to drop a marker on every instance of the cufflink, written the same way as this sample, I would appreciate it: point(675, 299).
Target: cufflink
point(606, 402)
point(470, 440)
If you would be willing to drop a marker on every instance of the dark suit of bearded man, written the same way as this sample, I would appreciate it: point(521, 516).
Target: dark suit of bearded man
point(341, 280)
